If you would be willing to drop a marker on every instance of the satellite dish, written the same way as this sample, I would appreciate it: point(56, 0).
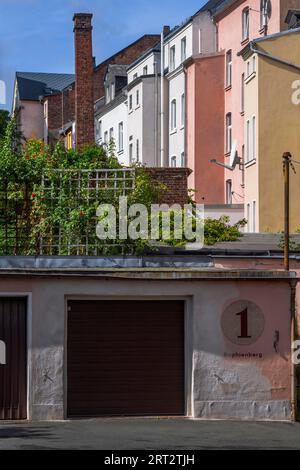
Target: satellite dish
point(233, 155)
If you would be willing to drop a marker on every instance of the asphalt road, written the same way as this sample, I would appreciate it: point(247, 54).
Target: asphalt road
point(149, 434)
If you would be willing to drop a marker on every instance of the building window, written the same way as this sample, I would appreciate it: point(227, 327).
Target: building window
point(107, 94)
point(183, 49)
point(243, 93)
point(248, 218)
point(173, 162)
point(106, 137)
point(121, 137)
point(173, 115)
point(228, 133)
point(137, 150)
point(112, 91)
point(248, 141)
point(145, 70)
point(135, 76)
point(243, 166)
point(253, 64)
point(265, 12)
point(228, 68)
point(254, 217)
point(99, 130)
point(253, 137)
point(131, 153)
point(137, 97)
point(183, 160)
point(245, 24)
point(172, 58)
point(229, 192)
point(130, 102)
point(69, 140)
point(182, 110)
point(111, 133)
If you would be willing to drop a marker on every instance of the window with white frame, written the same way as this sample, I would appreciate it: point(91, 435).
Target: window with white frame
point(254, 217)
point(173, 161)
point(243, 93)
point(229, 192)
point(265, 12)
point(183, 160)
point(121, 137)
point(248, 217)
point(111, 133)
point(248, 141)
point(130, 102)
point(112, 91)
point(106, 137)
point(145, 70)
point(182, 110)
point(131, 152)
point(172, 58)
point(183, 49)
point(137, 150)
point(254, 64)
point(173, 115)
point(228, 132)
point(253, 137)
point(135, 76)
point(107, 94)
point(99, 130)
point(245, 24)
point(137, 97)
point(228, 68)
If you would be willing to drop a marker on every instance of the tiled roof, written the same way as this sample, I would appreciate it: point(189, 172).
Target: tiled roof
point(33, 85)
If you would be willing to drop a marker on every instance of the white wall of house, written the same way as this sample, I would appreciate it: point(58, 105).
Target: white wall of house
point(111, 120)
point(135, 124)
point(147, 64)
point(177, 133)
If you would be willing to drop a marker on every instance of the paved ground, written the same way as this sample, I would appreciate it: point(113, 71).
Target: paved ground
point(149, 434)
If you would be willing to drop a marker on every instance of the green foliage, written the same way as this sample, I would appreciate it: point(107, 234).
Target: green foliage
point(56, 214)
point(220, 230)
point(4, 120)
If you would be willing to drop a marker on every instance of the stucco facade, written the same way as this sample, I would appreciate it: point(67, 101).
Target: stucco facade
point(272, 96)
point(223, 379)
point(229, 21)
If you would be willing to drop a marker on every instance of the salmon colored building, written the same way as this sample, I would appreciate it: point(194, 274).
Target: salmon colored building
point(215, 89)
point(205, 130)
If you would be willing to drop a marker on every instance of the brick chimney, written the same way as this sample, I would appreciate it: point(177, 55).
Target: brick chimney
point(167, 30)
point(84, 66)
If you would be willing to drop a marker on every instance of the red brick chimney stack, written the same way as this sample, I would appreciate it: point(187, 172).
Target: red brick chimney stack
point(84, 66)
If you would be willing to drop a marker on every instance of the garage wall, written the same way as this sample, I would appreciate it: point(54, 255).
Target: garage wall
point(220, 383)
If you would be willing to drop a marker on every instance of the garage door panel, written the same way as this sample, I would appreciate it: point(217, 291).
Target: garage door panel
point(125, 358)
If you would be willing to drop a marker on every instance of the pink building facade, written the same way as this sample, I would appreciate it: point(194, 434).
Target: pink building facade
point(239, 22)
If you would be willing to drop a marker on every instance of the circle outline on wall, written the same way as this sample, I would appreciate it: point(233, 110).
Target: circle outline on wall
point(231, 324)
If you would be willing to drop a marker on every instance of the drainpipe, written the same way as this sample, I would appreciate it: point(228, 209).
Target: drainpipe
point(156, 115)
point(162, 104)
point(293, 284)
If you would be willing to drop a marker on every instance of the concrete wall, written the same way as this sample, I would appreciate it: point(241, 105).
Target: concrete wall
point(220, 382)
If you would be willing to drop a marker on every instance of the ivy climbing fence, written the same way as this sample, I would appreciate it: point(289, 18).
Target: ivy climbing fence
point(57, 216)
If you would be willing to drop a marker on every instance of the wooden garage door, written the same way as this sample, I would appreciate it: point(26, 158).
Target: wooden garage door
point(125, 358)
point(13, 383)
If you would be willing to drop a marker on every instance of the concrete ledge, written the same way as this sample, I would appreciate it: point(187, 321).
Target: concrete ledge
point(244, 410)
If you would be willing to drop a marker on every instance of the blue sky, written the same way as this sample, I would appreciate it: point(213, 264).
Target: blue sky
point(37, 35)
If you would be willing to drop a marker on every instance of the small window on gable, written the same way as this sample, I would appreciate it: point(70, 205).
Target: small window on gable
point(245, 24)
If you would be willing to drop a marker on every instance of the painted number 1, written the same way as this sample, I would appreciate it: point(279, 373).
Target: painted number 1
point(244, 324)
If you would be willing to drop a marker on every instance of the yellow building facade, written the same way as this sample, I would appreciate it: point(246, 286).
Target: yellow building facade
point(272, 126)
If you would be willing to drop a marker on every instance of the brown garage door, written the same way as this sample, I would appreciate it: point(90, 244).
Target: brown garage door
point(13, 394)
point(125, 358)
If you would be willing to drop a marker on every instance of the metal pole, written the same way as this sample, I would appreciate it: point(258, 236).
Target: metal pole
point(286, 168)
